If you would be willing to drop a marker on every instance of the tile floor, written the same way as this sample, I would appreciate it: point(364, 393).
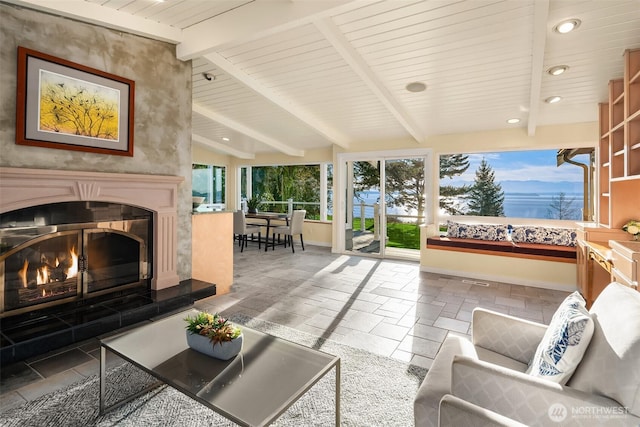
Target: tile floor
point(388, 307)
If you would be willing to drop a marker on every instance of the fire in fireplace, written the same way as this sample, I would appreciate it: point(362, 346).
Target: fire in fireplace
point(68, 251)
point(49, 271)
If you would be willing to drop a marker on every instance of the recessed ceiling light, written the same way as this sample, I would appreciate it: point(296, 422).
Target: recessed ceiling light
point(557, 70)
point(416, 87)
point(513, 121)
point(553, 99)
point(567, 26)
point(225, 139)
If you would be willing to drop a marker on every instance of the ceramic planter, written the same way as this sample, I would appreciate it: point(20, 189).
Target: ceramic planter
point(223, 351)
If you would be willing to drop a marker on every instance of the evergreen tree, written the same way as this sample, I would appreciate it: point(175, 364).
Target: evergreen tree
point(404, 182)
point(452, 165)
point(486, 198)
point(405, 185)
point(366, 176)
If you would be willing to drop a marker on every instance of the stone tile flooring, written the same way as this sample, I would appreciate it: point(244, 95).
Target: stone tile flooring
point(388, 307)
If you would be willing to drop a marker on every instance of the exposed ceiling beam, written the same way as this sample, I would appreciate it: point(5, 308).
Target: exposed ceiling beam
point(540, 16)
point(295, 110)
point(246, 130)
point(249, 22)
point(96, 14)
point(333, 34)
point(222, 147)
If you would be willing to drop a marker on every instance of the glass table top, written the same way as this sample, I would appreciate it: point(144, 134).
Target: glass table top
point(254, 388)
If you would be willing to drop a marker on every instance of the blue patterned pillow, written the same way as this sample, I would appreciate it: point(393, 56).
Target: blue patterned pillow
point(544, 235)
point(477, 231)
point(564, 342)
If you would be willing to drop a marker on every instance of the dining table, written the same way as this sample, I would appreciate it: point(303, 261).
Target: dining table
point(267, 217)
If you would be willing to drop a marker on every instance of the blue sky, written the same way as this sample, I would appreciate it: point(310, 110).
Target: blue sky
point(537, 165)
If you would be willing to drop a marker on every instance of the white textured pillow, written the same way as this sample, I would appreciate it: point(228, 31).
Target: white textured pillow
point(564, 342)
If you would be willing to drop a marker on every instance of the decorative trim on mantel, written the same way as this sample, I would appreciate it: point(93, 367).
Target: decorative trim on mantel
point(22, 188)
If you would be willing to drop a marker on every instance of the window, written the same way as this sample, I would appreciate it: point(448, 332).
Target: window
point(286, 187)
point(544, 184)
point(208, 181)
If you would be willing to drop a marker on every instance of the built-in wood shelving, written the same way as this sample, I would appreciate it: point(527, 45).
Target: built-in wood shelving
point(619, 147)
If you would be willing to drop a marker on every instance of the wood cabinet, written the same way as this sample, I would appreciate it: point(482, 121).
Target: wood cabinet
point(618, 164)
point(595, 258)
point(625, 257)
point(582, 262)
point(212, 249)
point(619, 148)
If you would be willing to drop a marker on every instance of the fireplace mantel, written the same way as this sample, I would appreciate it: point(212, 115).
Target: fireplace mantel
point(21, 188)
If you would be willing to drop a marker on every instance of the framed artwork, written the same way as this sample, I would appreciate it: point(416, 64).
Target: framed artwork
point(61, 104)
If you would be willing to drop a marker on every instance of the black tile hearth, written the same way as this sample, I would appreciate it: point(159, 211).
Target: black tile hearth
point(40, 331)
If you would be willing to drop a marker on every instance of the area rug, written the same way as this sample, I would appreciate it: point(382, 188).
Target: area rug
point(375, 391)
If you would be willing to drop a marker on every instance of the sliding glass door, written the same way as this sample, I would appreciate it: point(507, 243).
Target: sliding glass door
point(385, 200)
point(365, 202)
point(405, 202)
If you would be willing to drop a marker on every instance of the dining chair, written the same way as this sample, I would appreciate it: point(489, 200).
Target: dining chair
point(294, 228)
point(241, 230)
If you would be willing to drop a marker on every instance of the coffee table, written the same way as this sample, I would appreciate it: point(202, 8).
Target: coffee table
point(252, 389)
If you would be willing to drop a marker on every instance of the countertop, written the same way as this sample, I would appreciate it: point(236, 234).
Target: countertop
point(210, 212)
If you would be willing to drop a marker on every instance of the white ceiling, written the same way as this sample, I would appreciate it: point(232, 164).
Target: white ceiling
point(298, 75)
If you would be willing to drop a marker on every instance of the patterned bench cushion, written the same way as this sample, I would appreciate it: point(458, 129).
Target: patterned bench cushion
point(520, 234)
point(544, 235)
point(496, 232)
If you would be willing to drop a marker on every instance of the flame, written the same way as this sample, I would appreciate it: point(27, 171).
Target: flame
point(73, 270)
point(43, 293)
point(43, 275)
point(22, 273)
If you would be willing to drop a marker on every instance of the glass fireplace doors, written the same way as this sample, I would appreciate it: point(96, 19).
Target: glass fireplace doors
point(46, 264)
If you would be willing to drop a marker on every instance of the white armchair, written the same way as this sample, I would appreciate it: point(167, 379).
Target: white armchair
point(483, 381)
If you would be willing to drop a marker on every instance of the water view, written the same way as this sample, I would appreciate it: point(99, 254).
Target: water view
point(516, 205)
point(538, 205)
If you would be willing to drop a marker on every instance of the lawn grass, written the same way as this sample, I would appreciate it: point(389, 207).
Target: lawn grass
point(400, 234)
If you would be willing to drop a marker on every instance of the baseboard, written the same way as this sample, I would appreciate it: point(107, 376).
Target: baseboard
point(312, 243)
point(503, 279)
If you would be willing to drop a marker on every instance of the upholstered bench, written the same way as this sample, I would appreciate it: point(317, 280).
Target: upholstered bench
point(489, 247)
point(534, 242)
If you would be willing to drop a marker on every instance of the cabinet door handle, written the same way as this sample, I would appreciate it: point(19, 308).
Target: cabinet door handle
point(603, 262)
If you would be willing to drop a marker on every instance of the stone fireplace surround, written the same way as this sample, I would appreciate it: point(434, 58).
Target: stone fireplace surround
point(21, 188)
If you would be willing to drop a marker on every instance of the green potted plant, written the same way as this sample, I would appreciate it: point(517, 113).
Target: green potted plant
point(213, 335)
point(253, 204)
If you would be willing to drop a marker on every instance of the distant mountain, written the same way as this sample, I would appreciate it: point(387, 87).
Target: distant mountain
point(531, 186)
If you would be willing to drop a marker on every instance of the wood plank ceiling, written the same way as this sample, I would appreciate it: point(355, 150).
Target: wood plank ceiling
point(291, 76)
